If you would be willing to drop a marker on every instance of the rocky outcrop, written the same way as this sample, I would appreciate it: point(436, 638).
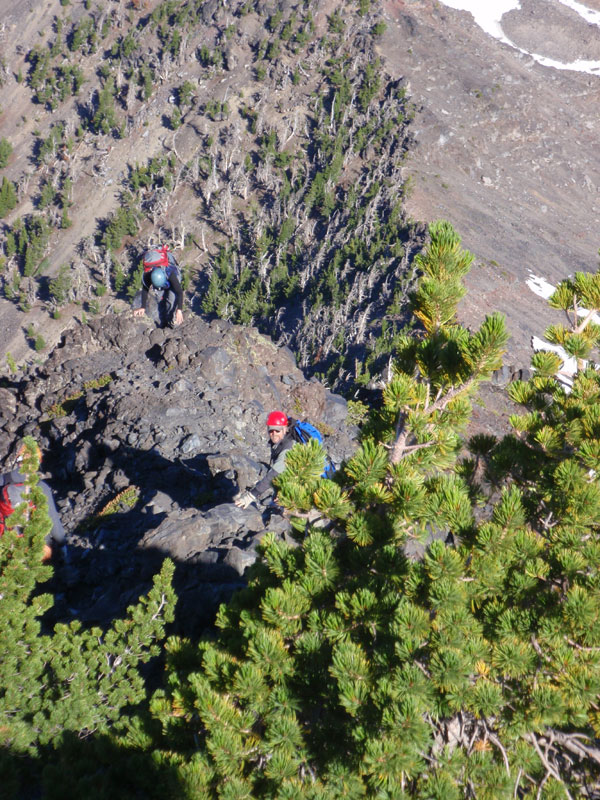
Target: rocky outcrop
point(147, 434)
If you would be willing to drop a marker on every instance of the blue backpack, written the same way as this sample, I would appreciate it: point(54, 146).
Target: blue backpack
point(302, 432)
point(173, 269)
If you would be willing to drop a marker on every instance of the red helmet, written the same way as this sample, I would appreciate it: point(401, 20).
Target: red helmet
point(277, 419)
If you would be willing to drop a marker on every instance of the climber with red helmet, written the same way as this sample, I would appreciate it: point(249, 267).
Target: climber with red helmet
point(163, 276)
point(280, 441)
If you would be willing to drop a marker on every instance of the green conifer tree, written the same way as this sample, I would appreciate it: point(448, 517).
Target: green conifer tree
point(5, 152)
point(8, 196)
point(72, 679)
point(105, 116)
point(579, 297)
point(61, 285)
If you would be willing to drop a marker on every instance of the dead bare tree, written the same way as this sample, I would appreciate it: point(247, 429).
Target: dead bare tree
point(88, 249)
point(81, 281)
point(105, 267)
point(178, 235)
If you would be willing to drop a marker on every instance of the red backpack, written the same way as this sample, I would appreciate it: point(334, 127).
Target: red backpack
point(158, 257)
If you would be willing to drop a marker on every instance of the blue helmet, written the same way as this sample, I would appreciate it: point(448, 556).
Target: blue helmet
point(159, 278)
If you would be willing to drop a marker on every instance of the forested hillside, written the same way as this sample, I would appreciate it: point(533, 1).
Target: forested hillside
point(264, 143)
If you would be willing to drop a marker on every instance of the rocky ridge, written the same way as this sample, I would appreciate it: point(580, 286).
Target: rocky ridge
point(147, 435)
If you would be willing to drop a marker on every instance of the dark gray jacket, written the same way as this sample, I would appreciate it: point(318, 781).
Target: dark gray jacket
point(276, 465)
point(13, 481)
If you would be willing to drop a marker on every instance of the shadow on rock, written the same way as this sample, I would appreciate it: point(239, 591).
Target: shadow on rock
point(112, 555)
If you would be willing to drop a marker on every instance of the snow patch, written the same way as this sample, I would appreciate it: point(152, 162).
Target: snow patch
point(591, 16)
point(540, 286)
point(566, 373)
point(488, 15)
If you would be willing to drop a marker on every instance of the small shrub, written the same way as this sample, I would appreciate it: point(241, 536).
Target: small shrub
point(336, 22)
point(61, 285)
point(12, 364)
point(8, 196)
point(124, 501)
point(175, 120)
point(357, 412)
point(98, 383)
point(5, 151)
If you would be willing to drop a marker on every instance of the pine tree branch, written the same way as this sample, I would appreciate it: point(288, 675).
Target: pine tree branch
point(428, 395)
point(422, 668)
point(426, 757)
point(473, 739)
point(538, 649)
point(517, 782)
point(573, 743)
point(541, 786)
point(550, 770)
point(163, 602)
point(546, 524)
point(494, 740)
point(581, 647)
point(575, 310)
point(584, 323)
point(400, 447)
point(400, 437)
point(442, 402)
point(410, 448)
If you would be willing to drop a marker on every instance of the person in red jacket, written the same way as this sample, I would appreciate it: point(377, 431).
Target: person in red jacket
point(13, 491)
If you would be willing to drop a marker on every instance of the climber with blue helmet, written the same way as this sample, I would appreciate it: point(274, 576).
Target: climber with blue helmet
point(159, 278)
point(162, 276)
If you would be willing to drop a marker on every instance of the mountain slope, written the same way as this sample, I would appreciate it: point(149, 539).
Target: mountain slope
point(505, 148)
point(264, 143)
point(147, 435)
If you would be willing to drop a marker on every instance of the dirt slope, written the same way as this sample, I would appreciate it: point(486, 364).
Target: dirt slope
point(506, 149)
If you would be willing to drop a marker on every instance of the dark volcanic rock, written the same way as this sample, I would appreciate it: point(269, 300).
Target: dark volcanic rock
point(147, 435)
